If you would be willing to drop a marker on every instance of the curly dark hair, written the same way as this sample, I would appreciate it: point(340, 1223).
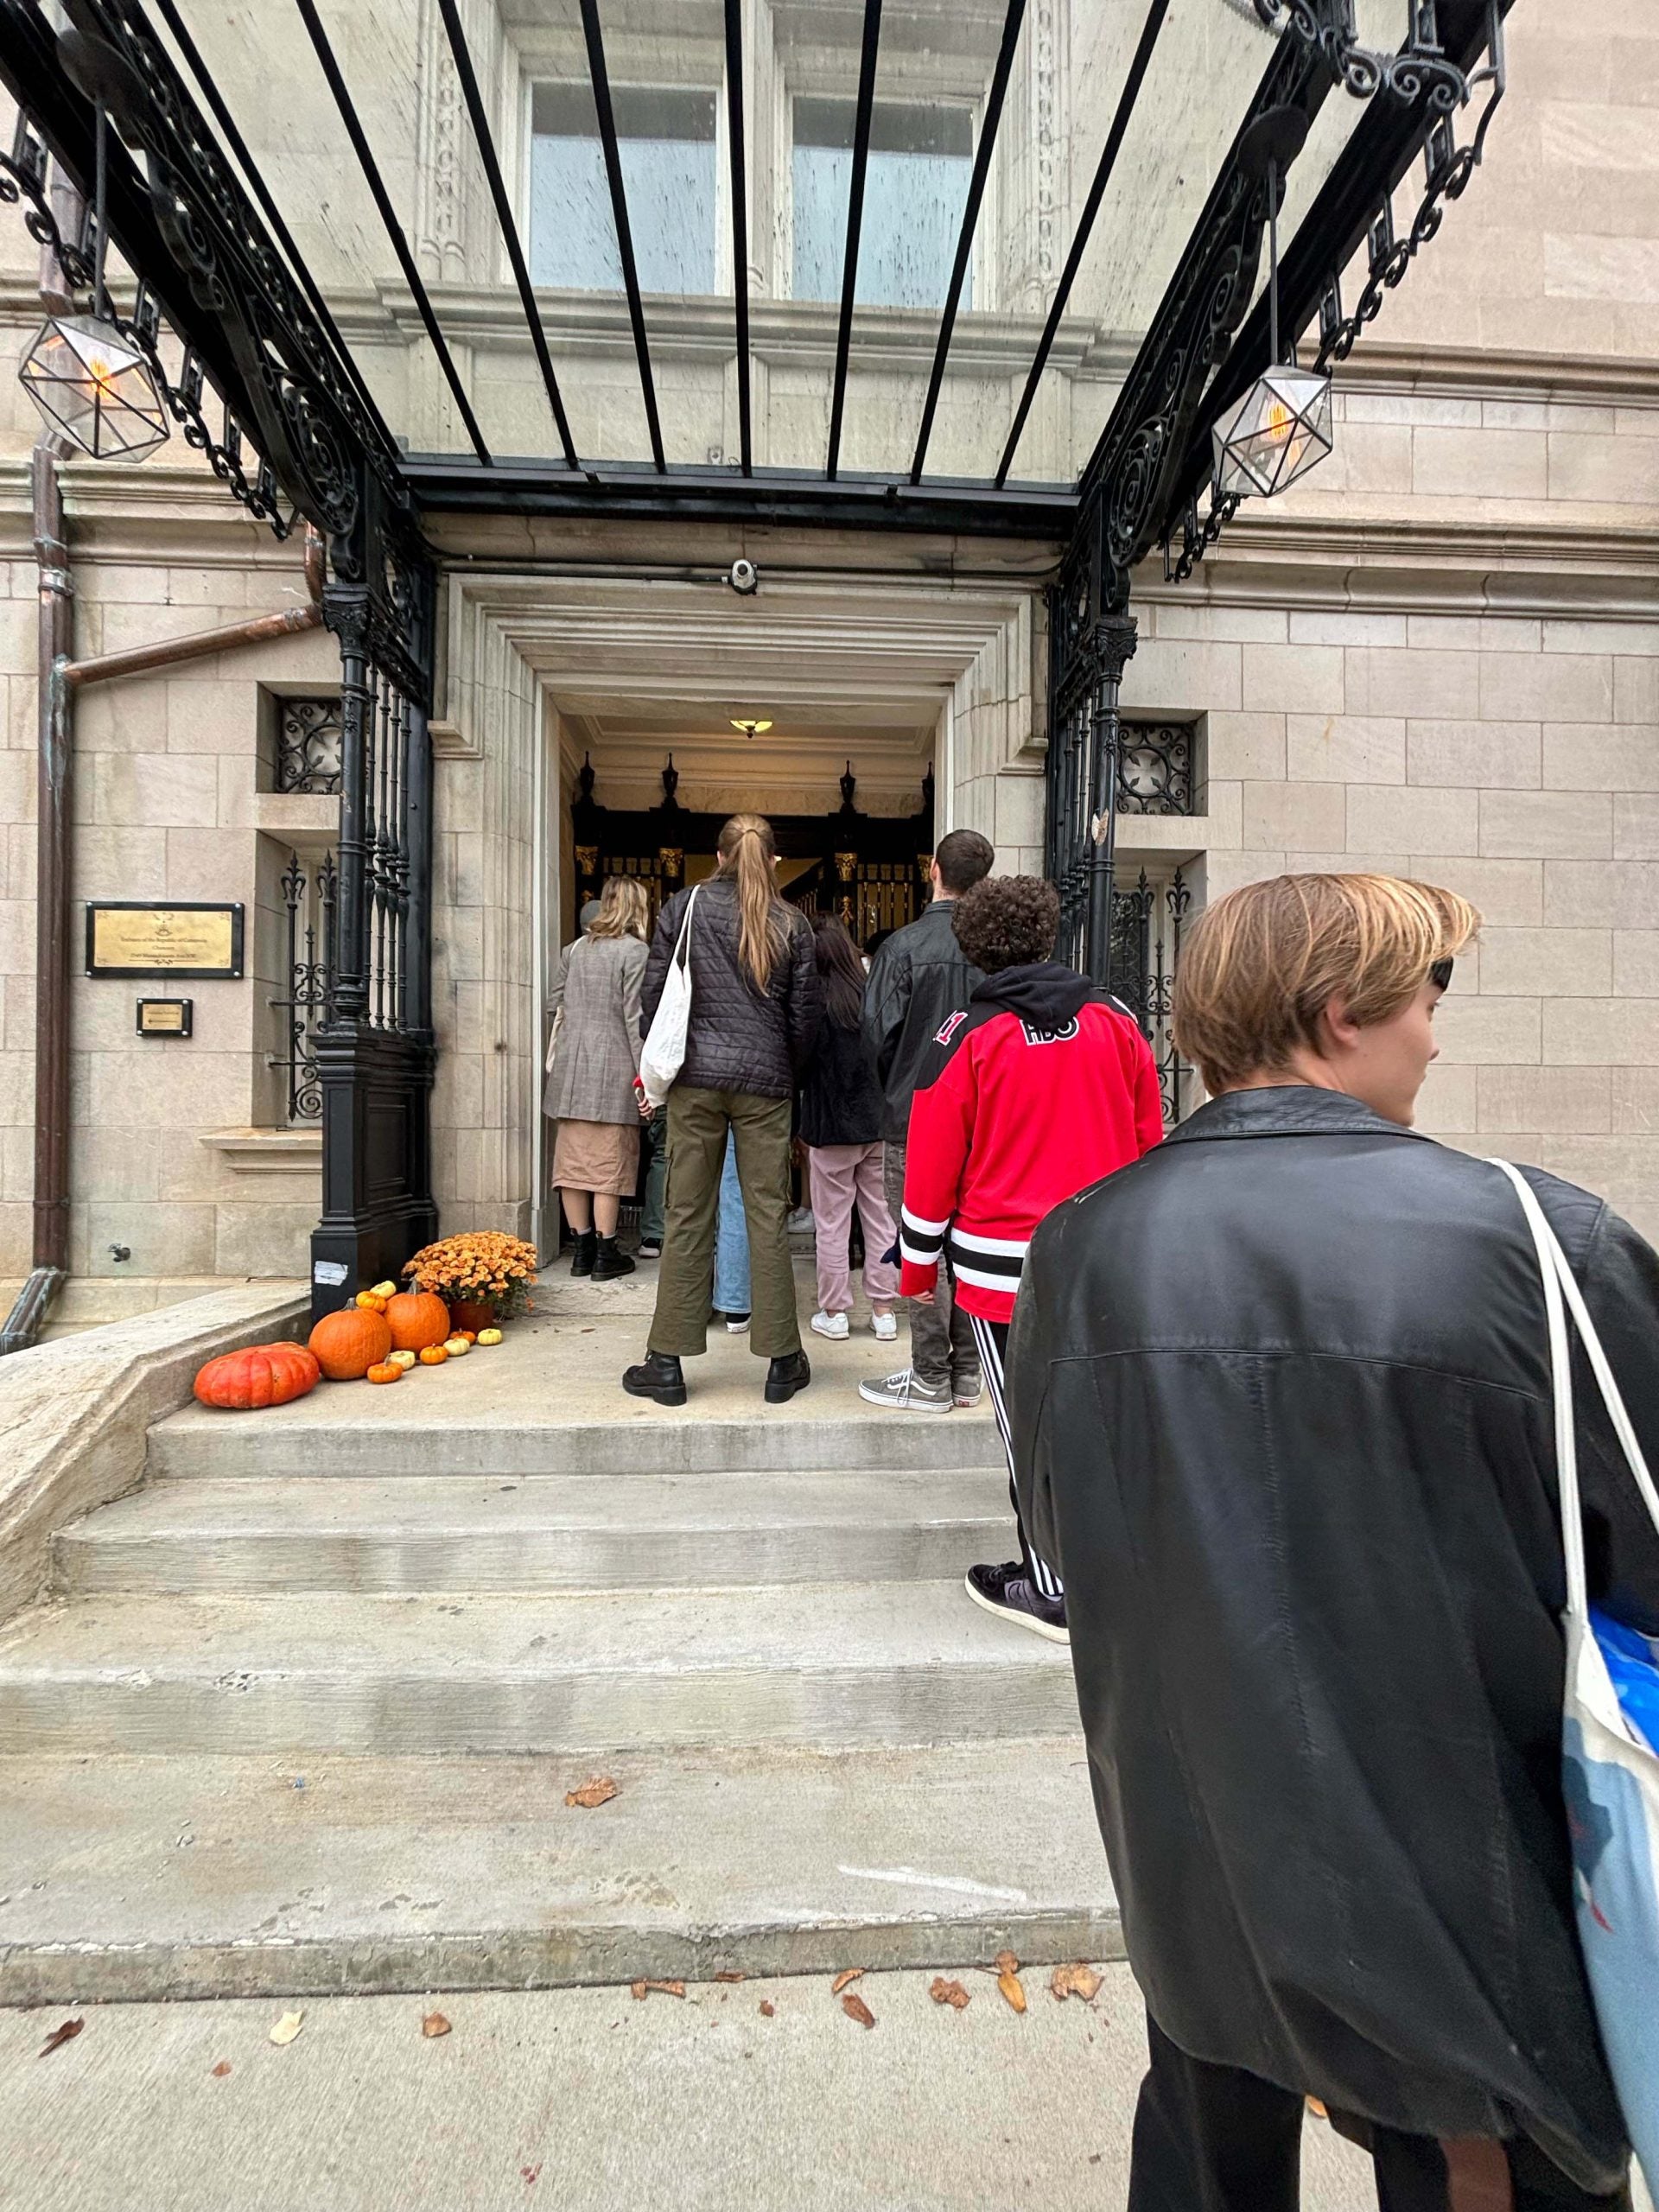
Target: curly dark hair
point(1007, 921)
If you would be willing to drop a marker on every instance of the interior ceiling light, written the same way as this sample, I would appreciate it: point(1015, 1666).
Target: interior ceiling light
point(1282, 427)
point(86, 377)
point(750, 726)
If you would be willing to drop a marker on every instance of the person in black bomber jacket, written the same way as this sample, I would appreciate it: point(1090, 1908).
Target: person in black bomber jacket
point(920, 977)
point(755, 1006)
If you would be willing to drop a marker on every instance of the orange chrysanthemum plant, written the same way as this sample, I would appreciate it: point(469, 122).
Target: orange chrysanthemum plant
point(482, 1269)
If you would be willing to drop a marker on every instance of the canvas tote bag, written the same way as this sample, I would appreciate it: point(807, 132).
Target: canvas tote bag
point(1611, 1777)
point(663, 1053)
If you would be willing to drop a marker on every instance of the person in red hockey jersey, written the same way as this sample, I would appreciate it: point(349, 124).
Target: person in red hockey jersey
point(1041, 1087)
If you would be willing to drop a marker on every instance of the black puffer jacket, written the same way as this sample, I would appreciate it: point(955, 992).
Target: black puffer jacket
point(1281, 1399)
point(738, 1039)
point(917, 979)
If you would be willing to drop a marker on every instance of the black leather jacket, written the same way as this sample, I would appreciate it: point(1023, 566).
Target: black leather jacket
point(918, 978)
point(738, 1037)
point(1280, 1400)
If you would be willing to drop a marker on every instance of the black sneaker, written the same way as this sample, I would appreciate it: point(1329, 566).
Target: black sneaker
point(1007, 1592)
point(658, 1375)
point(785, 1376)
point(649, 1248)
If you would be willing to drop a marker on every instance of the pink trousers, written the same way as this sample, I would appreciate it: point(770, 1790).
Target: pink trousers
point(837, 1174)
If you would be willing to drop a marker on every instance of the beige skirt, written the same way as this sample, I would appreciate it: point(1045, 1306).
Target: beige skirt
point(598, 1156)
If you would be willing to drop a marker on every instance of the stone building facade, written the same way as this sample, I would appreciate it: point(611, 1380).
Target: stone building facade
point(1439, 655)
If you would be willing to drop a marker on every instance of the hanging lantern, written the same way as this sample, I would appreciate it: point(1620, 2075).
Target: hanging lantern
point(87, 377)
point(93, 384)
point(1282, 427)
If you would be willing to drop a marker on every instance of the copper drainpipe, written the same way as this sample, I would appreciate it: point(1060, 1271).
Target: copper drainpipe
point(59, 679)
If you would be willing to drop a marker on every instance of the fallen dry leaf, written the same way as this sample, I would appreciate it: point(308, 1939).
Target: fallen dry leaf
point(288, 2027)
point(530, 2173)
point(61, 2036)
point(767, 2008)
point(598, 1789)
point(641, 1990)
point(947, 1993)
point(856, 2009)
point(221, 2069)
point(1075, 1981)
point(1007, 1980)
point(435, 2024)
point(845, 1979)
point(731, 1977)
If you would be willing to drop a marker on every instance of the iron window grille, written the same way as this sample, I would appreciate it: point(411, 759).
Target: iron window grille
point(309, 905)
point(308, 746)
point(1146, 926)
point(1156, 768)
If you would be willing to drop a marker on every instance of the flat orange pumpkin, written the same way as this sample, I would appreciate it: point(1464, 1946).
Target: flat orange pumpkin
point(416, 1318)
point(349, 1343)
point(433, 1355)
point(386, 1371)
point(262, 1374)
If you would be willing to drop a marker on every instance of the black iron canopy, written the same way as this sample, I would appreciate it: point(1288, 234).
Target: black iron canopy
point(229, 246)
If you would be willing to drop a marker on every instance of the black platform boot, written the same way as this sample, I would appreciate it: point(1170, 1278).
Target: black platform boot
point(657, 1376)
point(583, 1247)
point(609, 1263)
point(785, 1376)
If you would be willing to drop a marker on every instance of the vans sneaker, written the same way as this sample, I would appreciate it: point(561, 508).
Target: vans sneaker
point(830, 1325)
point(1007, 1593)
point(906, 1393)
point(884, 1327)
point(967, 1390)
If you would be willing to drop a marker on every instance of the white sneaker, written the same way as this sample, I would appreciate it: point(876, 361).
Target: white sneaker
point(905, 1394)
point(830, 1325)
point(884, 1327)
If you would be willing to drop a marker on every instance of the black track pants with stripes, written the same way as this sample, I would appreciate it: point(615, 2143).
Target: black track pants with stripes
point(992, 1338)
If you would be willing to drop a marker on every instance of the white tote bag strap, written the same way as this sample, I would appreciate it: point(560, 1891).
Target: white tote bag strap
point(1562, 1295)
point(683, 943)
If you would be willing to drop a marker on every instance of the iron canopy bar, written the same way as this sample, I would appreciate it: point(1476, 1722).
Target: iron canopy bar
point(394, 229)
point(737, 153)
point(854, 224)
point(486, 142)
point(601, 90)
point(988, 131)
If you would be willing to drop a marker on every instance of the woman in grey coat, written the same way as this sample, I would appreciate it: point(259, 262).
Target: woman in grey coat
point(594, 1059)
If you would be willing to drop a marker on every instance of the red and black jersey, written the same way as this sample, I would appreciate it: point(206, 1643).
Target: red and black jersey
point(1041, 1087)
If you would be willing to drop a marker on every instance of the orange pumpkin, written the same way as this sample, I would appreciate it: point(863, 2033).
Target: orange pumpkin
point(263, 1375)
point(371, 1301)
point(385, 1371)
point(433, 1355)
point(349, 1343)
point(416, 1318)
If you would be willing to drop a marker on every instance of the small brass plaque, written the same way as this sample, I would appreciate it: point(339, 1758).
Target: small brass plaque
point(165, 1017)
point(127, 937)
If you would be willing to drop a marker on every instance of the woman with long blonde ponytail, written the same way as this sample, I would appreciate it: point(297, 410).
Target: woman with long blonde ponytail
point(756, 1001)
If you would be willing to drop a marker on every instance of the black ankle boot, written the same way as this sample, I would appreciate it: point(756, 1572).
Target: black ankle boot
point(658, 1376)
point(608, 1263)
point(583, 1251)
point(786, 1376)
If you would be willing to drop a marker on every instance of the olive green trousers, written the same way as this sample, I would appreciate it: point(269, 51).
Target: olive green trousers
point(697, 1121)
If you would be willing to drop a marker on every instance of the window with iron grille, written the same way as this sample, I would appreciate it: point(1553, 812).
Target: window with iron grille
point(1157, 768)
point(308, 887)
point(1148, 921)
point(306, 757)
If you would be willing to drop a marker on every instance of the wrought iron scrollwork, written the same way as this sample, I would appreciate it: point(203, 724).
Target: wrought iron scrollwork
point(1417, 70)
point(309, 908)
point(308, 746)
point(1154, 768)
point(1147, 926)
point(23, 182)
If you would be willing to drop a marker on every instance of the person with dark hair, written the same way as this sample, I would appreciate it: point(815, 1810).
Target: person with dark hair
point(919, 979)
point(1041, 1087)
point(841, 1126)
point(755, 1004)
point(1284, 1408)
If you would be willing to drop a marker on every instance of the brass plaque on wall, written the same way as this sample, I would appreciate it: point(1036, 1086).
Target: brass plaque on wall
point(130, 936)
point(165, 1017)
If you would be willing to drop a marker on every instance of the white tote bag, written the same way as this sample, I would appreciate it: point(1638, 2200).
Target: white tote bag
point(663, 1054)
point(1610, 1774)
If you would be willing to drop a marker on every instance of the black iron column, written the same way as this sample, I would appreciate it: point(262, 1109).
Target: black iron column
point(1113, 644)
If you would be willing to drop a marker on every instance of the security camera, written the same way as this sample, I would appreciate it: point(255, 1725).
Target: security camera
point(744, 577)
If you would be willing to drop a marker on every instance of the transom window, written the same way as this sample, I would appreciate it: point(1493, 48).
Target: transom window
point(915, 189)
point(666, 142)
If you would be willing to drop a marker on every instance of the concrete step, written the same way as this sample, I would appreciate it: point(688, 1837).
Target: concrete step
point(540, 1533)
point(126, 1877)
point(811, 1664)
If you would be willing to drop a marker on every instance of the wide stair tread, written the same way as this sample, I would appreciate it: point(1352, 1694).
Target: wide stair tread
point(544, 1532)
point(201, 1876)
point(808, 1663)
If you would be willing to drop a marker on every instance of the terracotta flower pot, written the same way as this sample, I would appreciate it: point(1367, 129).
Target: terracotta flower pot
point(472, 1313)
